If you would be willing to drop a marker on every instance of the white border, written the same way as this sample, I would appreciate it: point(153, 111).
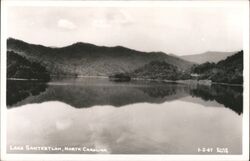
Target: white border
point(245, 142)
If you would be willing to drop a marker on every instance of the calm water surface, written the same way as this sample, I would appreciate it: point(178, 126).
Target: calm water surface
point(136, 117)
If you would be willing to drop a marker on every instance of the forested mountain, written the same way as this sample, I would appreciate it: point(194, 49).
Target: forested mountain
point(20, 67)
point(229, 70)
point(90, 60)
point(209, 56)
point(82, 59)
point(160, 70)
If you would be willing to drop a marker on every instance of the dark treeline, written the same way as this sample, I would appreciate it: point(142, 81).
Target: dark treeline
point(21, 68)
point(160, 70)
point(229, 70)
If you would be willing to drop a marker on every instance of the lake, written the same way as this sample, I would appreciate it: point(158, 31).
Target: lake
point(136, 117)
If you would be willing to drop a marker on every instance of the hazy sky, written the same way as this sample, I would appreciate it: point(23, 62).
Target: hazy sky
point(179, 30)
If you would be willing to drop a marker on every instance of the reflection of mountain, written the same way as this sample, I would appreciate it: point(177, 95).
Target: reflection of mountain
point(81, 94)
point(19, 90)
point(167, 92)
point(229, 96)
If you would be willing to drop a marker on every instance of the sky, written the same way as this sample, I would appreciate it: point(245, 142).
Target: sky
point(175, 30)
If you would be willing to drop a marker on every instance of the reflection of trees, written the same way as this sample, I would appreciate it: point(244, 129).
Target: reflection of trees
point(80, 95)
point(166, 90)
point(88, 96)
point(159, 92)
point(229, 96)
point(19, 90)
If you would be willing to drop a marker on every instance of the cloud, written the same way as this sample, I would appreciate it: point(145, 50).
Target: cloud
point(119, 17)
point(113, 18)
point(102, 23)
point(66, 24)
point(63, 124)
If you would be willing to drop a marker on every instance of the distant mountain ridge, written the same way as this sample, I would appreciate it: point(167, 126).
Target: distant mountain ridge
point(90, 60)
point(209, 56)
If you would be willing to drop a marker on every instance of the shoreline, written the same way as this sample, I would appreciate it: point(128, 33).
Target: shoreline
point(189, 81)
point(23, 79)
point(227, 84)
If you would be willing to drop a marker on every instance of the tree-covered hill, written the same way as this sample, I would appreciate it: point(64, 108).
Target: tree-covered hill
point(229, 70)
point(19, 67)
point(159, 70)
point(90, 60)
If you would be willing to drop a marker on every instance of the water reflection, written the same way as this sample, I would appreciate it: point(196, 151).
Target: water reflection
point(20, 90)
point(153, 118)
point(175, 127)
point(82, 93)
point(229, 96)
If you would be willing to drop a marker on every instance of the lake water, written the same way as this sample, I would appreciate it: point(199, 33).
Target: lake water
point(136, 117)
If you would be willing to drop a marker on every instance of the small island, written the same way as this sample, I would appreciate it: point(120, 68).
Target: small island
point(120, 77)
